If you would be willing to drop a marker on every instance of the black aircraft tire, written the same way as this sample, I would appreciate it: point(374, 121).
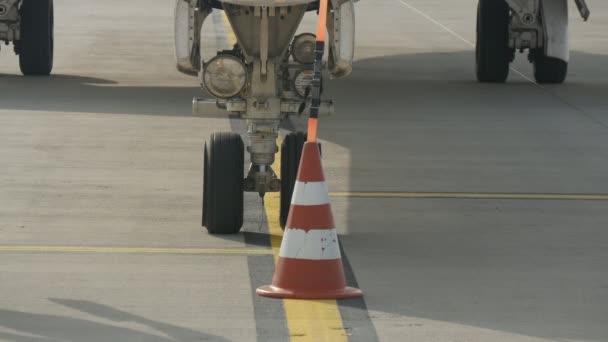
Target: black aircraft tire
point(291, 152)
point(223, 184)
point(205, 183)
point(35, 46)
point(492, 52)
point(549, 70)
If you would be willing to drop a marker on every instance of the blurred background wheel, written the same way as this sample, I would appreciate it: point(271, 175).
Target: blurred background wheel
point(492, 53)
point(36, 41)
point(549, 70)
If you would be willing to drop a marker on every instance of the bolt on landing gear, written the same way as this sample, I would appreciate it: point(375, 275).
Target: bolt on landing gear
point(263, 79)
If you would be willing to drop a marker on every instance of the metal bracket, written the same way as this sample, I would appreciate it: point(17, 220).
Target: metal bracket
point(264, 40)
point(526, 31)
point(10, 30)
point(261, 181)
point(555, 22)
point(526, 10)
point(326, 108)
point(5, 8)
point(208, 107)
point(189, 18)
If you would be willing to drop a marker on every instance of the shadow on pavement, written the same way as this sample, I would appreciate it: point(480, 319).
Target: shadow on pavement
point(421, 123)
point(447, 74)
point(61, 328)
point(65, 93)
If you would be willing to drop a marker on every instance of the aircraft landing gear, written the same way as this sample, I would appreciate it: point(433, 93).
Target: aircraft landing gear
point(223, 183)
point(35, 48)
point(548, 70)
point(540, 27)
point(266, 77)
point(493, 54)
point(28, 24)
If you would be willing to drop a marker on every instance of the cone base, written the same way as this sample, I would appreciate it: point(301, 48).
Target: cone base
point(276, 292)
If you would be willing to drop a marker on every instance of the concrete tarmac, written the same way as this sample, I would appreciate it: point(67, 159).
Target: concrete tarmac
point(105, 153)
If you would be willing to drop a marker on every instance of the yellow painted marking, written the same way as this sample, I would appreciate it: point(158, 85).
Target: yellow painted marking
point(307, 320)
point(229, 32)
point(317, 320)
point(580, 197)
point(133, 250)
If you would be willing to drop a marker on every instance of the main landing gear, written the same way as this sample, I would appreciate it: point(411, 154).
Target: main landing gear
point(223, 180)
point(28, 24)
point(540, 27)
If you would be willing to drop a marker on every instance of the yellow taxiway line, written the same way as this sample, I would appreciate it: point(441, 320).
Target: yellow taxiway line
point(133, 250)
point(472, 195)
point(307, 320)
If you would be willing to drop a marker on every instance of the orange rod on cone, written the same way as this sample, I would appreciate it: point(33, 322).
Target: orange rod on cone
point(316, 81)
point(313, 123)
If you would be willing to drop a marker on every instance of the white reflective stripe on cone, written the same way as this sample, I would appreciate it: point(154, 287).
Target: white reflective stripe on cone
point(310, 193)
point(316, 244)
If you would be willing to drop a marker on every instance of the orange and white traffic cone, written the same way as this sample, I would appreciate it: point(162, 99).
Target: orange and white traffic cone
point(310, 263)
